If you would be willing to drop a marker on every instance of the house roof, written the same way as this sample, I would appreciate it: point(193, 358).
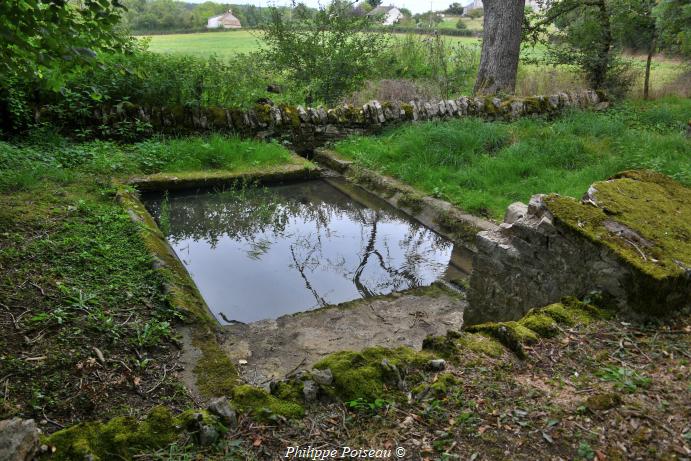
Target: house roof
point(381, 10)
point(227, 18)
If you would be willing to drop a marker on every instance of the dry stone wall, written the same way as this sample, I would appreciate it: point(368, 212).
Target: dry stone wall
point(310, 127)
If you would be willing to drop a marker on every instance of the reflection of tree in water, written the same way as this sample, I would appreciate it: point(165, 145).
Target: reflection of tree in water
point(259, 217)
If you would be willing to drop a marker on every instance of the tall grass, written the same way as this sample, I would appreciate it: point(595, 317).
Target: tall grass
point(484, 166)
point(25, 167)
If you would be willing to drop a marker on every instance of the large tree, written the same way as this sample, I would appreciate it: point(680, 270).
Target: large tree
point(501, 46)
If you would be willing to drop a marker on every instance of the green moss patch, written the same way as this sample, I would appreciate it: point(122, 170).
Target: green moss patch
point(261, 404)
point(537, 323)
point(540, 323)
point(216, 374)
point(364, 375)
point(604, 401)
point(644, 217)
point(119, 438)
point(293, 168)
point(480, 344)
point(513, 335)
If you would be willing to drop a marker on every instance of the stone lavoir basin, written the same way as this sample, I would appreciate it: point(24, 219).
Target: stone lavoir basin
point(262, 253)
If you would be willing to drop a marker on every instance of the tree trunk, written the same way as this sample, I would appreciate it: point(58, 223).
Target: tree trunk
point(501, 45)
point(604, 59)
point(646, 84)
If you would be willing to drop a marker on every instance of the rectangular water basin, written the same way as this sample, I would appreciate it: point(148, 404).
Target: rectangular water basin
point(260, 253)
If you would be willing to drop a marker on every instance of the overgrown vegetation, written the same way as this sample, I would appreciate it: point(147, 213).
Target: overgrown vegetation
point(47, 156)
point(484, 166)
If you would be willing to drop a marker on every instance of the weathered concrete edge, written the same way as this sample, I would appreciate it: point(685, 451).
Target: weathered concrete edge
point(198, 331)
point(438, 215)
point(180, 289)
point(211, 179)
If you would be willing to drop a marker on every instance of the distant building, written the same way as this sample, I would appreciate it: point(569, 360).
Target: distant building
point(226, 20)
point(476, 4)
point(389, 15)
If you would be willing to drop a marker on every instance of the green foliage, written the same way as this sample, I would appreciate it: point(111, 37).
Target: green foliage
point(151, 79)
point(364, 405)
point(583, 37)
point(329, 53)
point(476, 13)
point(484, 166)
point(166, 16)
point(624, 379)
point(455, 8)
point(672, 19)
point(40, 39)
point(460, 24)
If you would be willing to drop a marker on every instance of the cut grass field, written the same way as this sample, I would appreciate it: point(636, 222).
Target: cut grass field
point(227, 44)
point(222, 44)
point(484, 166)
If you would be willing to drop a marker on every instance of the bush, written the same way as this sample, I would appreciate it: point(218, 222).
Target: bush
point(461, 25)
point(331, 52)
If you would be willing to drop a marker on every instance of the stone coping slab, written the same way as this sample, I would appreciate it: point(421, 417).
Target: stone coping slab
point(298, 169)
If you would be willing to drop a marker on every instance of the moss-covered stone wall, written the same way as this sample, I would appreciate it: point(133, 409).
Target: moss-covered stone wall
point(309, 127)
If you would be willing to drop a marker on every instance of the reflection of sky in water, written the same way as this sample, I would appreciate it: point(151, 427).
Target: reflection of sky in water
point(263, 254)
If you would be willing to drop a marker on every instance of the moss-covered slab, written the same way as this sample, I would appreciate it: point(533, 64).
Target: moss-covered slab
point(297, 169)
point(208, 372)
point(644, 218)
point(181, 291)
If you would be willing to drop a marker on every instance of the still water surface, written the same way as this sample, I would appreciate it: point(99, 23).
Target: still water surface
point(262, 253)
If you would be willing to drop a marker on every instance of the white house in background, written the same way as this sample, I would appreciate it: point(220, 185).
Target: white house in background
point(390, 14)
point(226, 20)
point(475, 4)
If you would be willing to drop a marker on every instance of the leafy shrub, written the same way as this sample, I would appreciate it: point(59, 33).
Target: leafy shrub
point(330, 52)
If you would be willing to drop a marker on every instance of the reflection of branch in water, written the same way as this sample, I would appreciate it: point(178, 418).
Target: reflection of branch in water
point(361, 288)
point(394, 273)
point(321, 301)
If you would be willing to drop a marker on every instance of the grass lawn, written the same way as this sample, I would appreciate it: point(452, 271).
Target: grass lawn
point(222, 44)
point(484, 166)
point(450, 22)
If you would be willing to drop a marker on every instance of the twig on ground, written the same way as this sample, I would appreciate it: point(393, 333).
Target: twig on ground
point(165, 370)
